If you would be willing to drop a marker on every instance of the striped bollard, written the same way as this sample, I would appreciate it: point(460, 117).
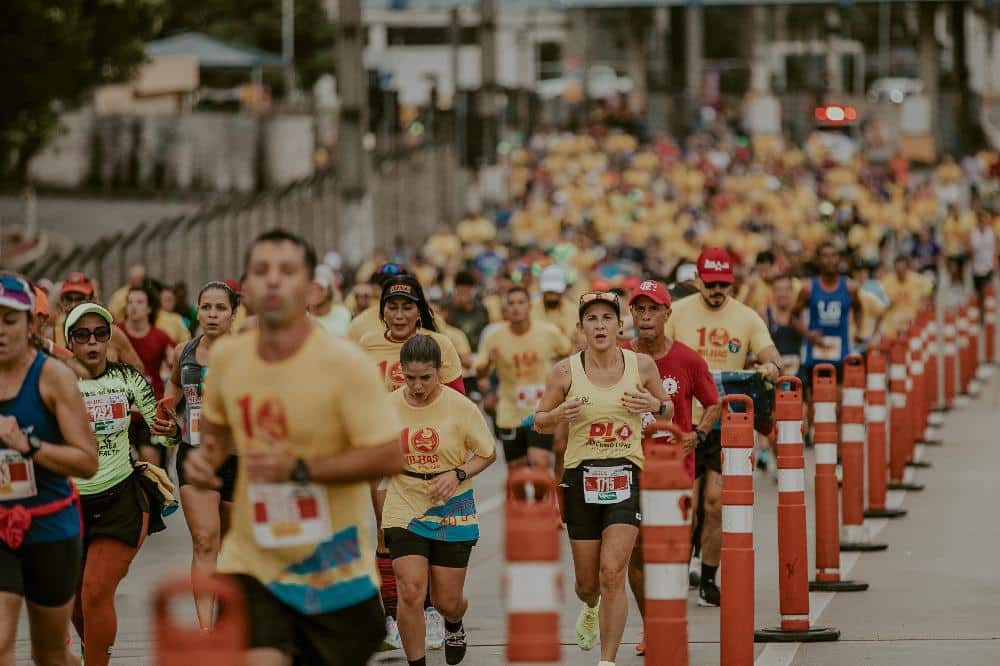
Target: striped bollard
point(900, 475)
point(876, 414)
point(990, 323)
point(793, 556)
point(950, 360)
point(827, 501)
point(916, 392)
point(976, 348)
point(854, 535)
point(962, 370)
point(736, 614)
point(933, 351)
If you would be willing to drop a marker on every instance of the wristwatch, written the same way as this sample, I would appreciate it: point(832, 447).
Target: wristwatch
point(300, 473)
point(702, 436)
point(34, 444)
point(460, 473)
point(663, 408)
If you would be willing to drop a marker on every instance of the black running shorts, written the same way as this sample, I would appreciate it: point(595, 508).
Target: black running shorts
point(43, 573)
point(227, 472)
point(517, 441)
point(586, 522)
point(452, 554)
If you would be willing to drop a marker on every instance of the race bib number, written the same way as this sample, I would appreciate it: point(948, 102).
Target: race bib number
point(606, 485)
point(17, 476)
point(193, 401)
point(830, 351)
point(109, 413)
point(529, 395)
point(289, 514)
point(790, 364)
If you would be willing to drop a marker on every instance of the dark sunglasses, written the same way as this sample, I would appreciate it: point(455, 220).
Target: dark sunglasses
point(717, 286)
point(82, 335)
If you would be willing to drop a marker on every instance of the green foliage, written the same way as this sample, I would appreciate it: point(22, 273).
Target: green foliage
point(55, 53)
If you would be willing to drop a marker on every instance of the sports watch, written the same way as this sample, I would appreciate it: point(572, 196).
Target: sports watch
point(702, 436)
point(300, 473)
point(34, 444)
point(460, 473)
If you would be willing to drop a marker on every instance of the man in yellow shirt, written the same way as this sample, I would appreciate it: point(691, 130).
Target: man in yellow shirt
point(116, 304)
point(521, 351)
point(300, 541)
point(907, 291)
point(723, 331)
point(553, 307)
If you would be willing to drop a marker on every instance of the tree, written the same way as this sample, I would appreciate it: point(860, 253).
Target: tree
point(258, 23)
point(55, 53)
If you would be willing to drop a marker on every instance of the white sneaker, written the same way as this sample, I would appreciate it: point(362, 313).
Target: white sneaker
point(435, 629)
point(588, 626)
point(392, 638)
point(694, 572)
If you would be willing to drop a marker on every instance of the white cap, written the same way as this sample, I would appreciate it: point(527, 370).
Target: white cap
point(553, 279)
point(323, 276)
point(435, 293)
point(687, 272)
point(333, 260)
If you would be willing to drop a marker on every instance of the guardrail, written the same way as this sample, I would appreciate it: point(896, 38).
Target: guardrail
point(413, 190)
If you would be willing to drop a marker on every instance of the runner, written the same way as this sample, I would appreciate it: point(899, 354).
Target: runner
point(153, 347)
point(553, 307)
point(45, 435)
point(370, 319)
point(405, 313)
point(75, 290)
point(601, 393)
point(429, 518)
point(522, 352)
point(207, 511)
point(781, 325)
point(906, 291)
point(118, 511)
point(723, 331)
point(685, 377)
point(307, 453)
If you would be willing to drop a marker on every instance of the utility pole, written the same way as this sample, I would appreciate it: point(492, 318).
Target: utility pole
point(288, 46)
point(487, 103)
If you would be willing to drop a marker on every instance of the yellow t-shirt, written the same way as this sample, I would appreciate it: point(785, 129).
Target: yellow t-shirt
point(872, 308)
point(604, 429)
point(565, 318)
point(458, 338)
point(172, 324)
point(905, 300)
point(117, 302)
point(722, 337)
point(341, 407)
point(368, 320)
point(440, 248)
point(385, 354)
point(436, 438)
point(523, 361)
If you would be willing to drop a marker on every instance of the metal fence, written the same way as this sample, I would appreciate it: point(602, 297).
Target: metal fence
point(413, 190)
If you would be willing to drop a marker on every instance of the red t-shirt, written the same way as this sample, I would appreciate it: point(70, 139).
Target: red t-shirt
point(152, 348)
point(686, 376)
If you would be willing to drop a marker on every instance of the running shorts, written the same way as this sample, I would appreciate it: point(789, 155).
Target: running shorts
point(43, 573)
point(517, 441)
point(587, 521)
point(708, 454)
point(227, 472)
point(452, 554)
point(116, 512)
point(345, 637)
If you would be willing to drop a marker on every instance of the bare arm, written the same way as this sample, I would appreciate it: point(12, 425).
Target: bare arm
point(857, 309)
point(710, 417)
point(801, 303)
point(78, 455)
point(650, 396)
point(553, 408)
point(769, 362)
point(358, 464)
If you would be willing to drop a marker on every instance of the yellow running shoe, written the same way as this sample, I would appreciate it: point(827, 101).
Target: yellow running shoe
point(587, 626)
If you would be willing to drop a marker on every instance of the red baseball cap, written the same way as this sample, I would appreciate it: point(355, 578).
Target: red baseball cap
point(715, 265)
point(79, 283)
point(653, 290)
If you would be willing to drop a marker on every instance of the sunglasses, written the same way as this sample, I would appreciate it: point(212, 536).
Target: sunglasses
point(717, 286)
point(82, 336)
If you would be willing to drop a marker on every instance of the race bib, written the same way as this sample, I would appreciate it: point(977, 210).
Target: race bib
point(17, 476)
point(831, 350)
point(109, 413)
point(790, 364)
point(288, 514)
point(529, 395)
point(193, 401)
point(606, 485)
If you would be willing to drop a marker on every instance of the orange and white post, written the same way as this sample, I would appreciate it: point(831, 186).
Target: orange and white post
point(827, 500)
point(736, 614)
point(876, 415)
point(793, 558)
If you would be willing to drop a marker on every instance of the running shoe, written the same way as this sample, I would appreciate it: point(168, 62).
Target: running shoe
point(694, 573)
point(455, 645)
point(392, 641)
point(435, 629)
point(708, 594)
point(640, 649)
point(587, 626)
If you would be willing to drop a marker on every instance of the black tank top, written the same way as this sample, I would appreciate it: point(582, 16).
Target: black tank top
point(192, 379)
point(785, 337)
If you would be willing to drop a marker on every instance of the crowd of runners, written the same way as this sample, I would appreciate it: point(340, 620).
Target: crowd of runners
point(626, 283)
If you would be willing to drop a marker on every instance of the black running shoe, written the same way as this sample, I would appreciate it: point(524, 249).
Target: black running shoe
point(455, 646)
point(708, 594)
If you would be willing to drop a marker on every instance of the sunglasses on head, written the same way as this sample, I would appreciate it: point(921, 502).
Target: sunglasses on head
point(606, 296)
point(82, 335)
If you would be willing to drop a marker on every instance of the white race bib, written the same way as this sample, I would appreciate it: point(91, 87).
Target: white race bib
point(288, 514)
point(606, 485)
point(17, 476)
point(831, 350)
point(194, 425)
point(790, 364)
point(529, 395)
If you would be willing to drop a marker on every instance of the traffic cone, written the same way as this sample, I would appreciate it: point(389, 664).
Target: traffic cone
point(533, 581)
point(827, 509)
point(184, 645)
point(737, 610)
point(854, 535)
point(876, 415)
point(793, 558)
point(666, 546)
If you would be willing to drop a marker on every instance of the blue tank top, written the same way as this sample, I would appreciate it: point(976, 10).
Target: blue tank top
point(830, 314)
point(35, 419)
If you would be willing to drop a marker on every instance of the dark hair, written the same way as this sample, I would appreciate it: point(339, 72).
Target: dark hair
point(465, 279)
point(518, 288)
point(825, 244)
point(282, 236)
point(765, 257)
point(151, 297)
point(231, 295)
point(421, 349)
point(426, 316)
